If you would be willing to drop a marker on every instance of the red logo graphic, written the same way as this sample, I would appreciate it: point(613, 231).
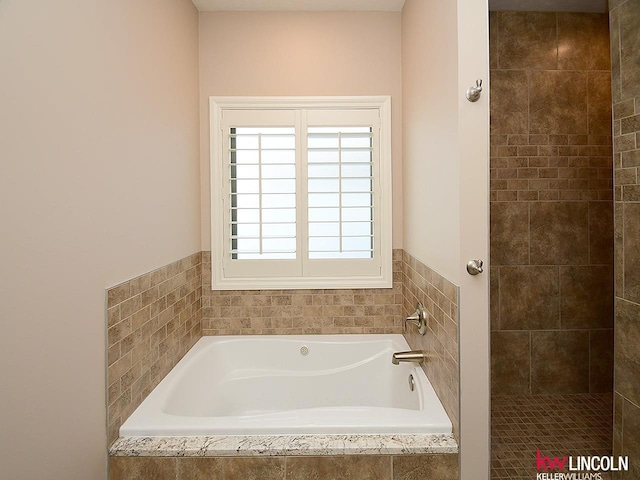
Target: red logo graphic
point(546, 463)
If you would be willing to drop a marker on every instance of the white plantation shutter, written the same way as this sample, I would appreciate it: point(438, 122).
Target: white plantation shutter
point(262, 195)
point(343, 194)
point(340, 192)
point(259, 193)
point(304, 189)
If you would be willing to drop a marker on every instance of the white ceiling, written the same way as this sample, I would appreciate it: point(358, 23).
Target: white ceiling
point(299, 5)
point(599, 6)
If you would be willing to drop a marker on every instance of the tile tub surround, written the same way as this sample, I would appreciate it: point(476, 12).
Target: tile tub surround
point(145, 343)
point(370, 467)
point(297, 312)
point(551, 203)
point(440, 297)
point(625, 59)
point(152, 321)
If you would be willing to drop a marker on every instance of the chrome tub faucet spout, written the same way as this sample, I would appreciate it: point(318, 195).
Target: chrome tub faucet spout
point(416, 356)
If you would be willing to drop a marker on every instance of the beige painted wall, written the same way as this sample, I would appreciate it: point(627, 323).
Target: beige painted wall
point(445, 144)
point(99, 182)
point(430, 135)
point(286, 53)
point(473, 138)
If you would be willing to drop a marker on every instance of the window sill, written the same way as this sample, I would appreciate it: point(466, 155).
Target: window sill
point(301, 283)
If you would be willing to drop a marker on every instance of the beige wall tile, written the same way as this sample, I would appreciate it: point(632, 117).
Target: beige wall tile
point(493, 39)
point(625, 51)
point(509, 225)
point(559, 233)
point(587, 296)
point(558, 102)
point(583, 41)
point(420, 467)
point(601, 233)
point(527, 40)
point(510, 362)
point(630, 438)
point(362, 467)
point(238, 468)
point(509, 102)
point(142, 468)
point(560, 362)
point(279, 312)
point(440, 298)
point(627, 351)
point(152, 334)
point(529, 298)
point(631, 251)
point(341, 467)
point(601, 360)
point(629, 71)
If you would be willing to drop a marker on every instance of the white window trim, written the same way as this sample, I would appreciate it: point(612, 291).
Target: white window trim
point(219, 281)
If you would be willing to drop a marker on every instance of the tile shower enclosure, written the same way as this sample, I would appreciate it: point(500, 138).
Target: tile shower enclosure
point(551, 204)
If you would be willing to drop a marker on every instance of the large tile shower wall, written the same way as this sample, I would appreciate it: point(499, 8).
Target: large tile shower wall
point(152, 321)
point(625, 56)
point(551, 204)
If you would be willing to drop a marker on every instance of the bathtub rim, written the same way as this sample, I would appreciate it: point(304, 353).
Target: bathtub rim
point(284, 445)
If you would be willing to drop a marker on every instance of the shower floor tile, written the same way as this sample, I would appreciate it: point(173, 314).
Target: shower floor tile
point(557, 425)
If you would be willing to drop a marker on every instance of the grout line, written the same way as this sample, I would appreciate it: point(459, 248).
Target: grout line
point(622, 252)
point(530, 362)
point(589, 362)
point(499, 298)
point(529, 232)
point(621, 425)
point(558, 279)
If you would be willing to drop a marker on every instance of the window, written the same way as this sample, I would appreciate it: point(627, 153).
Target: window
point(301, 192)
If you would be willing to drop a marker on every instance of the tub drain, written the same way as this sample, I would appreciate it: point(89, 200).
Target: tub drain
point(304, 350)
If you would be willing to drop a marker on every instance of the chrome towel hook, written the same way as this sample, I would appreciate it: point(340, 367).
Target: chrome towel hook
point(473, 93)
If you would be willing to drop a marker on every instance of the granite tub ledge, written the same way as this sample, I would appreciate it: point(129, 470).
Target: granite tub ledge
point(283, 445)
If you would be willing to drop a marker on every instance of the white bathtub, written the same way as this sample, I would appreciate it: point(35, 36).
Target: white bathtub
point(264, 385)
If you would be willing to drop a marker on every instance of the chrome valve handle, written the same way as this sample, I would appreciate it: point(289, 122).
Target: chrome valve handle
point(419, 319)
